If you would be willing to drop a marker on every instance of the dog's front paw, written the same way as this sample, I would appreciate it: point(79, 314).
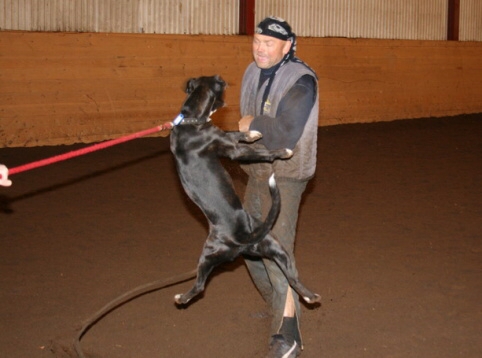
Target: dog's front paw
point(288, 153)
point(253, 136)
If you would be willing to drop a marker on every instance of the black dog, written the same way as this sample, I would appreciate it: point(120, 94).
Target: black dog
point(197, 146)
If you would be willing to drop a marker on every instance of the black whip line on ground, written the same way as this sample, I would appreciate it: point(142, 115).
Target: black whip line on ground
point(126, 297)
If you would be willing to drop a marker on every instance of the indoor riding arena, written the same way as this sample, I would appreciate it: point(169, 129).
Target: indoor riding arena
point(390, 227)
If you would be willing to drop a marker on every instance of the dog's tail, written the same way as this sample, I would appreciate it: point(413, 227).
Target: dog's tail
point(264, 228)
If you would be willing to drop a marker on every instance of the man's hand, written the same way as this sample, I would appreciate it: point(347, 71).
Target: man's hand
point(4, 181)
point(244, 123)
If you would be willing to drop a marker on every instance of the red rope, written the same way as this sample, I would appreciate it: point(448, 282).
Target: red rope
point(86, 150)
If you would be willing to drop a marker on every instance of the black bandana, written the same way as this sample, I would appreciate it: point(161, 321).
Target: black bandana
point(275, 27)
point(278, 28)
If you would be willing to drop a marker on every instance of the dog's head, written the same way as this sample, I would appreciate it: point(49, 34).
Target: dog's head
point(204, 97)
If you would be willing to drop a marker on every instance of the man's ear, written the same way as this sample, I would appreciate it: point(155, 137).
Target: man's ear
point(287, 47)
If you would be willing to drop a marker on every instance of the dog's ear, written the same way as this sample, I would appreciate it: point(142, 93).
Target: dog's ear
point(220, 83)
point(191, 85)
point(219, 86)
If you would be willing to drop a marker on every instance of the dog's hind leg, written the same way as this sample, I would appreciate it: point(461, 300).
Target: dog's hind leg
point(271, 249)
point(210, 258)
point(203, 271)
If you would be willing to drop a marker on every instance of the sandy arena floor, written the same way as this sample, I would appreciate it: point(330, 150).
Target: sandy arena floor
point(390, 235)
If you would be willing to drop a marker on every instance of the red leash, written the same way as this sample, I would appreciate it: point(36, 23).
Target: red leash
point(5, 172)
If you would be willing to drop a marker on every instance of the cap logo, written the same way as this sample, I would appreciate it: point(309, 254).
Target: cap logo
point(277, 28)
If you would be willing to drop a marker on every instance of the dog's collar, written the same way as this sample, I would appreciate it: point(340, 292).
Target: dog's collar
point(180, 119)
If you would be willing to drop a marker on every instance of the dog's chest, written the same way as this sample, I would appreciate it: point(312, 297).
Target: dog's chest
point(196, 161)
point(199, 168)
point(192, 142)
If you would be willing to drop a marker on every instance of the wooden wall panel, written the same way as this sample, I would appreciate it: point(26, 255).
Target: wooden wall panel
point(377, 80)
point(62, 88)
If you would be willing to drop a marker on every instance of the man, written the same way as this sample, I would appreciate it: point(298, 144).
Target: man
point(279, 98)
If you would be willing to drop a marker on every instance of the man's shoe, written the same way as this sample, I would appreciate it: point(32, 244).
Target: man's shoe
point(280, 348)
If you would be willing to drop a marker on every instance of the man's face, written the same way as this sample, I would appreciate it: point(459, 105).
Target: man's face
point(268, 51)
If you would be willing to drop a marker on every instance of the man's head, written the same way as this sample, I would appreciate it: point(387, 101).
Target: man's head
point(272, 41)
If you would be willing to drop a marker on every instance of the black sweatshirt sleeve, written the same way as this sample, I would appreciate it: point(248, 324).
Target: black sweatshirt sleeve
point(293, 111)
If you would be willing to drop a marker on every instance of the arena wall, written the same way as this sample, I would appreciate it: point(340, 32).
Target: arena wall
point(63, 88)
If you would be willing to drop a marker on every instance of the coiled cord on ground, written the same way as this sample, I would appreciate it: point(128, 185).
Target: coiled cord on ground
point(126, 297)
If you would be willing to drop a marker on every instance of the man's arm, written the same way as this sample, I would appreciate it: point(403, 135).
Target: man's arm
point(293, 112)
